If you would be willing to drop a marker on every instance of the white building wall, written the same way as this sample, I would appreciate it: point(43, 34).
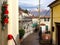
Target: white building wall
point(42, 20)
point(35, 20)
point(13, 20)
point(43, 29)
point(28, 30)
point(46, 23)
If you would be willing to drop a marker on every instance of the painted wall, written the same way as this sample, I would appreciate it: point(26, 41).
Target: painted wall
point(56, 18)
point(43, 29)
point(27, 26)
point(12, 25)
point(35, 20)
point(45, 22)
point(13, 20)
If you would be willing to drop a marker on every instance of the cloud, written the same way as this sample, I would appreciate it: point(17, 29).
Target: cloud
point(30, 2)
point(46, 2)
point(28, 6)
point(33, 4)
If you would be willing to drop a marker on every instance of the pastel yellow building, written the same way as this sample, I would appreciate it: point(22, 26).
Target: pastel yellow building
point(55, 20)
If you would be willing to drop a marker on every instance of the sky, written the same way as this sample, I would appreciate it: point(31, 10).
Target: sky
point(33, 4)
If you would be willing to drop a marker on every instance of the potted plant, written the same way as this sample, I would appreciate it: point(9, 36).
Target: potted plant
point(21, 34)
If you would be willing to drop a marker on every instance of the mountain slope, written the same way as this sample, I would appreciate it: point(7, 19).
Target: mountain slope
point(42, 13)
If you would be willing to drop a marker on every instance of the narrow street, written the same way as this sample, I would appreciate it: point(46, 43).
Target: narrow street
point(32, 39)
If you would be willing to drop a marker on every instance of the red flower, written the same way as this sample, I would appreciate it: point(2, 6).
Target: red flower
point(6, 11)
point(6, 21)
point(10, 37)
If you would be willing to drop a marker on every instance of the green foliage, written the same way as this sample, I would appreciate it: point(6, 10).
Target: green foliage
point(26, 11)
point(21, 33)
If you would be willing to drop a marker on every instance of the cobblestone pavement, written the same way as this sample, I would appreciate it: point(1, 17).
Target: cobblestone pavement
point(32, 39)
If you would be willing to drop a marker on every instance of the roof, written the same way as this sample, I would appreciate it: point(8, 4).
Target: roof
point(45, 17)
point(42, 24)
point(37, 17)
point(54, 3)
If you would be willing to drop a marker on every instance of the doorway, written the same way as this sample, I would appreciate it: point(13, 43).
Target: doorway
point(58, 33)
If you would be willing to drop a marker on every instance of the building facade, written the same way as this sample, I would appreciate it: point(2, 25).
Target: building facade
point(55, 20)
point(25, 22)
point(44, 22)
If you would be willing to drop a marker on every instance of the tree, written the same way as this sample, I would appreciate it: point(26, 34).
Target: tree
point(26, 11)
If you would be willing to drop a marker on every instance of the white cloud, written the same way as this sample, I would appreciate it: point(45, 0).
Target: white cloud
point(46, 2)
point(30, 2)
point(33, 9)
point(43, 3)
point(36, 2)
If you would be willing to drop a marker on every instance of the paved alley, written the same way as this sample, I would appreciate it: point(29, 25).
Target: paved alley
point(32, 39)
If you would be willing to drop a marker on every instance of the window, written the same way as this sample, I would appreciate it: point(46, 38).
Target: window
point(46, 27)
point(48, 19)
point(44, 19)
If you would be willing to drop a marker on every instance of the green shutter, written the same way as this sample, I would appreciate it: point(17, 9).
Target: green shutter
point(46, 28)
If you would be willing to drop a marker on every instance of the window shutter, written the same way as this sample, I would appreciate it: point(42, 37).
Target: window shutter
point(46, 28)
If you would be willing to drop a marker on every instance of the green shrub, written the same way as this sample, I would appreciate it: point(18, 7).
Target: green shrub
point(21, 33)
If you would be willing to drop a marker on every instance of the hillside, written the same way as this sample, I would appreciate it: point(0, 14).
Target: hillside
point(42, 13)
